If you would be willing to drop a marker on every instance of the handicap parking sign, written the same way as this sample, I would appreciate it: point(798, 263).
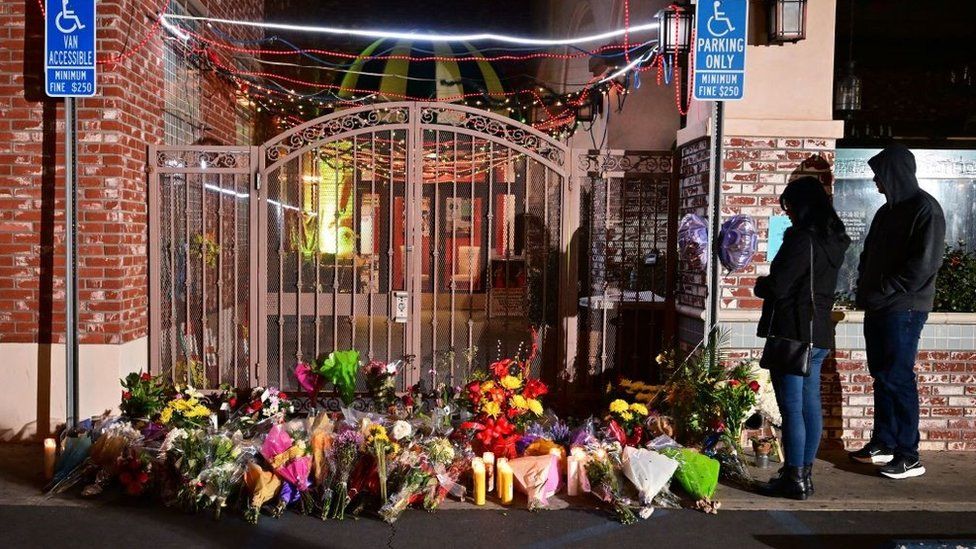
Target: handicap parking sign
point(720, 49)
point(69, 48)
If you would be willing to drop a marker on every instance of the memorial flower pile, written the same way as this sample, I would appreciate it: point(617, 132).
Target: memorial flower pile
point(488, 438)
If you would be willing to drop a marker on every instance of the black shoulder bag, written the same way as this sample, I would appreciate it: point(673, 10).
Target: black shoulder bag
point(790, 356)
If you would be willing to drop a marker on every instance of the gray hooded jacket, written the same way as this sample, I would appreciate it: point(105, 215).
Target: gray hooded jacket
point(904, 247)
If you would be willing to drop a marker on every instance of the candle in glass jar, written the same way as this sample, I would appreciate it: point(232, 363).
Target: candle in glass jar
point(506, 482)
point(50, 450)
point(498, 475)
point(572, 475)
point(478, 472)
point(489, 459)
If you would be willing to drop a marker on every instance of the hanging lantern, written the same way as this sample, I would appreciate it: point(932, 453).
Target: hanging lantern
point(590, 108)
point(847, 95)
point(674, 28)
point(787, 20)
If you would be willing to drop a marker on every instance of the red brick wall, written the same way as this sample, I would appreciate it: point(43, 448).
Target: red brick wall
point(114, 129)
point(756, 171)
point(947, 399)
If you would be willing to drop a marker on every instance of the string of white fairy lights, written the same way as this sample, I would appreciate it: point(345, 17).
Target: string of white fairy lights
point(553, 122)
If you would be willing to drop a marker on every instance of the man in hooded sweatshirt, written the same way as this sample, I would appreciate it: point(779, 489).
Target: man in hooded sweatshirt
point(896, 288)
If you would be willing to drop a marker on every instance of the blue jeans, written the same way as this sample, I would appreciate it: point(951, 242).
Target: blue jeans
point(799, 404)
point(892, 346)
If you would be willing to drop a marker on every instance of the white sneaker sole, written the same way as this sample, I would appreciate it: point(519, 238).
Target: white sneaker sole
point(878, 459)
point(914, 472)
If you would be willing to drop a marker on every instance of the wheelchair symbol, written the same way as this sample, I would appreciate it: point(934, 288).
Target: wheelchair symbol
point(65, 16)
point(718, 16)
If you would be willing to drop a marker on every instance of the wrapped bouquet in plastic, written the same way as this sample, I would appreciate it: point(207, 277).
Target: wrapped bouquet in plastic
point(537, 477)
point(648, 470)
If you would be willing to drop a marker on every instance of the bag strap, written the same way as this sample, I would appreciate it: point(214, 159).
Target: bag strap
point(813, 299)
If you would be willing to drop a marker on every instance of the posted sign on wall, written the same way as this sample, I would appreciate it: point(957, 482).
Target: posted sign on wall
point(69, 48)
point(720, 49)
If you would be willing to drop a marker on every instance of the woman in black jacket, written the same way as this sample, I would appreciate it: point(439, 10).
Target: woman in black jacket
point(786, 313)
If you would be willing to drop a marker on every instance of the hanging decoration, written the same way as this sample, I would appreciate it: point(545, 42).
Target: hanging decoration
point(738, 241)
point(693, 241)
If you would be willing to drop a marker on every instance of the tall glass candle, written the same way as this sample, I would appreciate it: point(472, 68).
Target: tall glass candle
point(498, 475)
point(572, 475)
point(489, 459)
point(506, 482)
point(50, 450)
point(478, 472)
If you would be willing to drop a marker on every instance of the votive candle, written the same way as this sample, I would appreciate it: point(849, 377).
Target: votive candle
point(489, 459)
point(50, 450)
point(506, 482)
point(478, 471)
point(572, 475)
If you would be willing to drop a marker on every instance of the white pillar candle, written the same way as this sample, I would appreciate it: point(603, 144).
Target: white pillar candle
point(572, 475)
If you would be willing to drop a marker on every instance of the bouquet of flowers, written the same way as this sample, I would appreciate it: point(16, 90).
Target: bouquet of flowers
point(143, 396)
point(378, 444)
point(265, 404)
point(263, 486)
point(135, 472)
point(697, 473)
point(345, 452)
point(425, 472)
point(625, 422)
point(289, 458)
point(537, 477)
point(648, 470)
point(447, 472)
point(503, 404)
point(105, 453)
point(223, 470)
point(339, 368)
point(736, 398)
point(321, 437)
point(185, 410)
point(603, 474)
point(381, 380)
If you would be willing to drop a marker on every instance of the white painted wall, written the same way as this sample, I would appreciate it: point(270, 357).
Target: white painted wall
point(32, 377)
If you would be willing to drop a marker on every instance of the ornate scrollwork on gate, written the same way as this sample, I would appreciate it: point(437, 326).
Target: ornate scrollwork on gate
point(199, 157)
point(597, 163)
point(499, 127)
point(324, 129)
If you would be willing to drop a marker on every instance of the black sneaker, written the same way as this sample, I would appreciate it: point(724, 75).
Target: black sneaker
point(900, 468)
point(872, 453)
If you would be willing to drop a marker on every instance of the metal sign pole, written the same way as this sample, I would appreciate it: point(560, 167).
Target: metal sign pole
point(70, 271)
point(714, 214)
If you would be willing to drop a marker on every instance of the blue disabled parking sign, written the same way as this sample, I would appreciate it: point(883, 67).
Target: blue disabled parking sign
point(69, 48)
point(720, 49)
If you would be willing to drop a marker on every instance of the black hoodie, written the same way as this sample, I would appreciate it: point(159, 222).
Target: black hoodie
point(786, 290)
point(904, 247)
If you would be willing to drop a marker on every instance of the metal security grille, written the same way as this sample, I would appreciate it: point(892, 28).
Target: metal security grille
point(626, 290)
point(441, 235)
point(201, 264)
point(416, 231)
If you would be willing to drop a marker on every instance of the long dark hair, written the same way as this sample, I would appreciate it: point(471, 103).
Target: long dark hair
point(810, 204)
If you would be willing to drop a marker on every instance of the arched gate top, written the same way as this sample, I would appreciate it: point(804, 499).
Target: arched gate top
point(427, 116)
